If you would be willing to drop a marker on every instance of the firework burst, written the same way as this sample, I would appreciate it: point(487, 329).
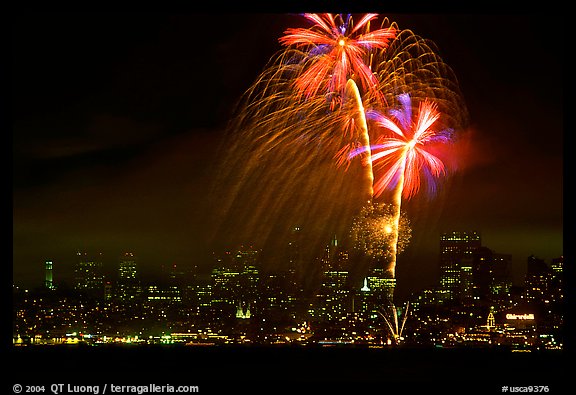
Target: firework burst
point(402, 153)
point(402, 156)
point(304, 119)
point(373, 230)
point(336, 50)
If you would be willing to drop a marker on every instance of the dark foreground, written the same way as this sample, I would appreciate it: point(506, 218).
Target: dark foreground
point(296, 370)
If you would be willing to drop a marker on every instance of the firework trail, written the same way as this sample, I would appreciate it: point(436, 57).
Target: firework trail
point(396, 329)
point(409, 71)
point(305, 118)
point(403, 155)
point(277, 168)
point(412, 65)
point(353, 120)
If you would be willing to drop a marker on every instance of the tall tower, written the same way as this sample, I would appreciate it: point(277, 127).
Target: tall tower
point(537, 281)
point(128, 281)
point(48, 283)
point(294, 252)
point(491, 273)
point(333, 301)
point(88, 275)
point(454, 247)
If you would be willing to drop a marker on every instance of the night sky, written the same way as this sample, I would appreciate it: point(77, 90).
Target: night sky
point(118, 120)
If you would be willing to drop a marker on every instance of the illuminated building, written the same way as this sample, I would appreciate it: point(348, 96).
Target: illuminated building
point(294, 246)
point(128, 286)
point(235, 280)
point(166, 295)
point(243, 311)
point(88, 276)
point(381, 285)
point(465, 290)
point(544, 295)
point(292, 284)
point(224, 283)
point(198, 294)
point(490, 321)
point(491, 273)
point(454, 247)
point(328, 259)
point(538, 279)
point(108, 291)
point(333, 296)
point(557, 266)
point(520, 325)
point(48, 283)
point(332, 300)
point(557, 281)
point(275, 295)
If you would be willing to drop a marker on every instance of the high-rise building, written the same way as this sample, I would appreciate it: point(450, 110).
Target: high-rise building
point(538, 280)
point(48, 280)
point(491, 274)
point(330, 257)
point(88, 275)
point(465, 290)
point(333, 301)
point(557, 266)
point(454, 247)
point(294, 249)
point(128, 285)
point(108, 291)
point(557, 288)
point(235, 281)
point(377, 292)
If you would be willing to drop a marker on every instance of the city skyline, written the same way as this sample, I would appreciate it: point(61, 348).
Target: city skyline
point(64, 273)
point(115, 138)
point(473, 305)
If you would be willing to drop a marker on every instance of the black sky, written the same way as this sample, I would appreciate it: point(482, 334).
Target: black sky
point(117, 120)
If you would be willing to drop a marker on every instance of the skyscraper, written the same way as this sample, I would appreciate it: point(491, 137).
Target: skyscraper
point(48, 283)
point(538, 280)
point(88, 276)
point(235, 281)
point(128, 282)
point(491, 274)
point(454, 247)
point(332, 300)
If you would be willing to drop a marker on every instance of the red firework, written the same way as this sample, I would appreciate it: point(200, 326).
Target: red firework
point(337, 51)
point(404, 154)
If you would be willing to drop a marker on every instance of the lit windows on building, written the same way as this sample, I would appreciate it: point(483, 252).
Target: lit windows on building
point(332, 300)
point(48, 279)
point(454, 247)
point(88, 275)
point(128, 287)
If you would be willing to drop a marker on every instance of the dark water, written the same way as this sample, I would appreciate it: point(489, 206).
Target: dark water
point(312, 370)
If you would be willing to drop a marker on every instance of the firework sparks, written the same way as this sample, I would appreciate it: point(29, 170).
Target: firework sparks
point(281, 159)
point(336, 50)
point(373, 230)
point(412, 64)
point(277, 168)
